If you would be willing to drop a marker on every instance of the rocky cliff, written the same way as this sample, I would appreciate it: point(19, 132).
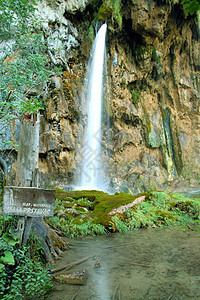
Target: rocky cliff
point(152, 91)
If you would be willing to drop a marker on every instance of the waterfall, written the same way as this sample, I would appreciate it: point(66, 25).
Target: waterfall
point(91, 163)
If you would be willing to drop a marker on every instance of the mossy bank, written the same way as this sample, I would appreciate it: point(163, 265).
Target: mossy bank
point(80, 213)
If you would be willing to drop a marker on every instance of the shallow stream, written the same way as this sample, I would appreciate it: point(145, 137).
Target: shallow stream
point(145, 264)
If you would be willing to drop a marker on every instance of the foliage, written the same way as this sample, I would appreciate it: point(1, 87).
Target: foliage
point(36, 251)
point(26, 280)
point(135, 96)
point(158, 209)
point(23, 61)
point(111, 8)
point(7, 241)
point(77, 227)
point(70, 225)
point(91, 33)
point(103, 203)
point(191, 6)
point(20, 276)
point(117, 15)
point(104, 12)
point(14, 12)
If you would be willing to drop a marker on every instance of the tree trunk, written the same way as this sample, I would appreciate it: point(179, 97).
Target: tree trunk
point(27, 159)
point(27, 176)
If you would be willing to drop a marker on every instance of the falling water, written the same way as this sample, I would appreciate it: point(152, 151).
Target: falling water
point(91, 165)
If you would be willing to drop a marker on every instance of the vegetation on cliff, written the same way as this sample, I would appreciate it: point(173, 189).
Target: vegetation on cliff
point(23, 61)
point(191, 6)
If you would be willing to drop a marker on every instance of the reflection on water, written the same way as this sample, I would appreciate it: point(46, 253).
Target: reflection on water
point(145, 264)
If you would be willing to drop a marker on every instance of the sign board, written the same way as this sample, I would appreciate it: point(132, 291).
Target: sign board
point(28, 201)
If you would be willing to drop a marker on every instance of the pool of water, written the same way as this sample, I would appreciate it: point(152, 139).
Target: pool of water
point(145, 264)
point(190, 192)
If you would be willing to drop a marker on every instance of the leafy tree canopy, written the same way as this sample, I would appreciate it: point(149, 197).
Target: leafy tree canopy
point(23, 59)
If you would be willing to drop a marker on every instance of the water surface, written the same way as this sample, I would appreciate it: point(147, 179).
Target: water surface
point(146, 264)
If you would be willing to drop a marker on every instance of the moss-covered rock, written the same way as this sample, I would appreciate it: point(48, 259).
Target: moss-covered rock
point(92, 216)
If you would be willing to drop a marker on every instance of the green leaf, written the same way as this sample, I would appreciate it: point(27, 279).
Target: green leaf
point(2, 267)
point(10, 239)
point(8, 258)
point(3, 244)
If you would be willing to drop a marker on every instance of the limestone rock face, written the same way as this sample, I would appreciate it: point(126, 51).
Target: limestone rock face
point(76, 5)
point(152, 89)
point(154, 72)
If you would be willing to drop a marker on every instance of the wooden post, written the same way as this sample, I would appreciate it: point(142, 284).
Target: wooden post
point(27, 164)
point(27, 177)
point(23, 229)
point(20, 228)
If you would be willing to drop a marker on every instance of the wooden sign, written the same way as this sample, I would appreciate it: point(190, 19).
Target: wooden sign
point(28, 201)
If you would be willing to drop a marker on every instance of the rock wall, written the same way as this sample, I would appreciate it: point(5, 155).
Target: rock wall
point(154, 69)
point(152, 89)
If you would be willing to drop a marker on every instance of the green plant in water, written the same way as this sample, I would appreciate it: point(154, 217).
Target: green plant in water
point(158, 209)
point(119, 224)
point(84, 202)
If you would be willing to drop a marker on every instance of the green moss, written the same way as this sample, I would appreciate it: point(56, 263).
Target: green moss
point(91, 33)
point(102, 202)
point(111, 8)
point(80, 209)
point(67, 205)
point(143, 52)
point(117, 13)
point(147, 124)
point(135, 96)
point(155, 57)
point(176, 148)
point(104, 12)
point(77, 221)
point(173, 146)
point(158, 209)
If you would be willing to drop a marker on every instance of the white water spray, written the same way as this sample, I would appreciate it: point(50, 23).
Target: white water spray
point(91, 165)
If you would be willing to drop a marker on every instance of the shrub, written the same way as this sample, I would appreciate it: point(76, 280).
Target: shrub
point(20, 276)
